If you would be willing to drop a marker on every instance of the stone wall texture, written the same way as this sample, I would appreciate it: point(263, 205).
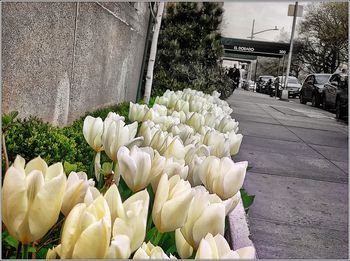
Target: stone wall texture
point(60, 60)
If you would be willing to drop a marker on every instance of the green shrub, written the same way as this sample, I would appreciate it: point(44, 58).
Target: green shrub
point(33, 137)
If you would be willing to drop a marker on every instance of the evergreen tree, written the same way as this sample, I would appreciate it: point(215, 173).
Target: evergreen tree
point(190, 50)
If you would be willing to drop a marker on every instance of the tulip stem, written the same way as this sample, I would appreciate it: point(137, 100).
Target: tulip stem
point(158, 237)
point(19, 248)
point(7, 164)
point(25, 251)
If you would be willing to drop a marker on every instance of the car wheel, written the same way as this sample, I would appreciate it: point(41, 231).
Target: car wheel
point(315, 101)
point(338, 112)
point(324, 103)
point(302, 100)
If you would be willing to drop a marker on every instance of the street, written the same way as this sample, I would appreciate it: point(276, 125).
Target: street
point(298, 156)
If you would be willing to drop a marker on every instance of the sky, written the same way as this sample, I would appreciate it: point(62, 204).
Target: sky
point(239, 15)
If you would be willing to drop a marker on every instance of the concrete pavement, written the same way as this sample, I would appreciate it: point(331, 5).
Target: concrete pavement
point(299, 174)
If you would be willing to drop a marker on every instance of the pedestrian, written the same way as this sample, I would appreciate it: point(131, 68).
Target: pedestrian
point(236, 76)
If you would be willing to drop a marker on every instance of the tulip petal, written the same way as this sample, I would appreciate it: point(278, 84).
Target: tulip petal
point(14, 200)
point(19, 162)
point(93, 242)
point(171, 217)
point(53, 171)
point(159, 200)
point(246, 252)
point(71, 230)
point(183, 248)
point(119, 248)
point(114, 202)
point(36, 164)
point(46, 206)
point(211, 221)
point(204, 251)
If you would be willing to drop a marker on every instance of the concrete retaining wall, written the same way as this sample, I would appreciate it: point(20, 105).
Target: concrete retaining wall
point(60, 60)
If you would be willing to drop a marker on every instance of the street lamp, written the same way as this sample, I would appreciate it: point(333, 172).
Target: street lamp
point(252, 34)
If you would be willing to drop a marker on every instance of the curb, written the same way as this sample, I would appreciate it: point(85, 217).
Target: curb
point(238, 230)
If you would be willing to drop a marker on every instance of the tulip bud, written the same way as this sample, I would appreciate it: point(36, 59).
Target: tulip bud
point(114, 202)
point(227, 125)
point(171, 202)
point(92, 130)
point(176, 149)
point(183, 248)
point(32, 198)
point(149, 251)
point(117, 134)
point(217, 248)
point(160, 109)
point(86, 231)
point(119, 248)
point(203, 217)
point(196, 121)
point(235, 142)
point(135, 167)
point(77, 185)
point(147, 131)
point(220, 147)
point(137, 111)
point(162, 101)
point(132, 219)
point(222, 176)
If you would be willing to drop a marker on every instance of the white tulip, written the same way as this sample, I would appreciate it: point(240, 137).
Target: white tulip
point(135, 167)
point(235, 142)
point(203, 217)
point(147, 131)
point(92, 131)
point(227, 125)
point(77, 185)
point(149, 251)
point(222, 176)
point(218, 143)
point(184, 249)
point(176, 149)
point(195, 120)
point(117, 134)
point(132, 219)
point(160, 109)
point(217, 248)
point(137, 111)
point(171, 203)
point(182, 116)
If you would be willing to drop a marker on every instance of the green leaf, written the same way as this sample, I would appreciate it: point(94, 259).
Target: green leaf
point(106, 168)
point(68, 167)
point(7, 119)
point(11, 241)
point(246, 199)
point(150, 234)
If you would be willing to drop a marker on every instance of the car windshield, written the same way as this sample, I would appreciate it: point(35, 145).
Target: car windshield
point(322, 79)
point(290, 80)
point(293, 80)
point(266, 78)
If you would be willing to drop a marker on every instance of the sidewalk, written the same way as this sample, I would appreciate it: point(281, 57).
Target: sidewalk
point(299, 174)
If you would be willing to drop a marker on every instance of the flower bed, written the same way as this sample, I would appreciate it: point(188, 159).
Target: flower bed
point(162, 186)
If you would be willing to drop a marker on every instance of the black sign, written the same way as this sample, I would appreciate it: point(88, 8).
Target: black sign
point(257, 48)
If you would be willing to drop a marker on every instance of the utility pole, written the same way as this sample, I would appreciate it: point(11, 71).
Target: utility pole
point(291, 45)
point(252, 35)
point(152, 56)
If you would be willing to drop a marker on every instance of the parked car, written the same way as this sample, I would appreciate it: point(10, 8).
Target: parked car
point(276, 83)
point(293, 85)
point(335, 94)
point(261, 83)
point(251, 85)
point(312, 89)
